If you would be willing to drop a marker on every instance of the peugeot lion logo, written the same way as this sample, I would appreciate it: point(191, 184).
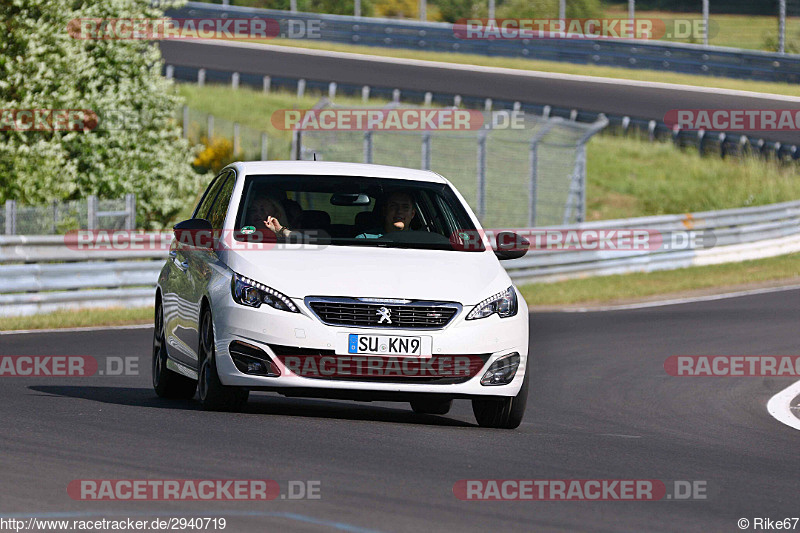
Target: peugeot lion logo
point(386, 314)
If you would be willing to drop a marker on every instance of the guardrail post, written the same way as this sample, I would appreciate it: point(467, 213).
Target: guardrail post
point(701, 141)
point(201, 77)
point(626, 122)
point(481, 192)
point(517, 106)
point(170, 73)
point(676, 134)
point(11, 217)
point(237, 139)
point(332, 90)
point(457, 100)
point(91, 212)
point(396, 96)
point(130, 208)
point(368, 146)
point(426, 150)
point(264, 146)
point(722, 150)
point(266, 82)
point(573, 115)
point(487, 104)
point(546, 111)
point(428, 98)
point(365, 93)
point(185, 114)
point(301, 87)
point(235, 80)
point(210, 128)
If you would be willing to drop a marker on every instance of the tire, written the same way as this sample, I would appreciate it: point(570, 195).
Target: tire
point(214, 396)
point(431, 406)
point(505, 413)
point(167, 383)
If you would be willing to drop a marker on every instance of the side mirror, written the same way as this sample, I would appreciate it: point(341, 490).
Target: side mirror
point(194, 233)
point(510, 245)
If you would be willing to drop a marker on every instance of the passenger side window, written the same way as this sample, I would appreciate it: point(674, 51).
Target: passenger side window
point(219, 209)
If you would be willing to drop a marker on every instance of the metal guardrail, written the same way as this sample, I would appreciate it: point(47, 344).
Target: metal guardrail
point(41, 273)
point(439, 37)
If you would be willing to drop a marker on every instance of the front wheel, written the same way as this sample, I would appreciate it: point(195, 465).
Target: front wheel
point(167, 383)
point(214, 396)
point(505, 413)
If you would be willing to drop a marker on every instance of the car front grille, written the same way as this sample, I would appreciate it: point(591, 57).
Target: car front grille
point(411, 315)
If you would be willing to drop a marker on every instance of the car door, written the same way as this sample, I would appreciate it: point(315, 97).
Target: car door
point(181, 310)
point(204, 263)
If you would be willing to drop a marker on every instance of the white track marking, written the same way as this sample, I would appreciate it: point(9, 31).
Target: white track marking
point(780, 406)
point(675, 301)
point(75, 330)
point(500, 70)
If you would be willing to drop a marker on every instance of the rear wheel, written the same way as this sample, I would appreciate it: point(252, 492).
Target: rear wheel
point(214, 396)
point(431, 407)
point(505, 413)
point(167, 383)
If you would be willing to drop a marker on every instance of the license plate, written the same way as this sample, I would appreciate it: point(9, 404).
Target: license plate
point(384, 344)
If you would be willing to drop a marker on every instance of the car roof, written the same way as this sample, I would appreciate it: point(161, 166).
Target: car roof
point(331, 168)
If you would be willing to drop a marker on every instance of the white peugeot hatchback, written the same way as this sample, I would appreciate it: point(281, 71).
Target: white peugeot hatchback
point(340, 280)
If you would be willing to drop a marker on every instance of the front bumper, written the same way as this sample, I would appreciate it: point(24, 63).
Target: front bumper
point(491, 337)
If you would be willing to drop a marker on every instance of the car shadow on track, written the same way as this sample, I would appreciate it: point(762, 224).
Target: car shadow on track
point(259, 404)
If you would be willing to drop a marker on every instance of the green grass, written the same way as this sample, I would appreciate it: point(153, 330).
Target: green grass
point(606, 289)
point(551, 66)
point(115, 316)
point(739, 31)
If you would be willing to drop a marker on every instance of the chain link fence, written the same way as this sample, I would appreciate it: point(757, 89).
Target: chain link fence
point(60, 217)
point(529, 175)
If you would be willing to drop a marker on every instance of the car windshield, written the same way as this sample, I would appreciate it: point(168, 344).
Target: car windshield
point(355, 211)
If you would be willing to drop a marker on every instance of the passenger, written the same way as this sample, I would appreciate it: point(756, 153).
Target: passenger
point(398, 212)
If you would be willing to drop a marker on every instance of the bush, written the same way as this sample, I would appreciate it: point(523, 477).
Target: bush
point(215, 155)
point(43, 67)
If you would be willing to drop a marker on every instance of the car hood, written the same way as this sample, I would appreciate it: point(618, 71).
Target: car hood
point(349, 271)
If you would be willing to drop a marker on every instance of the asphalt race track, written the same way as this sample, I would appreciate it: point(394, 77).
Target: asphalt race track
point(601, 407)
point(636, 99)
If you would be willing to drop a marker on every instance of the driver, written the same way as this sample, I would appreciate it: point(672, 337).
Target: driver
point(398, 211)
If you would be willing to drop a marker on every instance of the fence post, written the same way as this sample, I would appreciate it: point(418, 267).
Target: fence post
point(210, 128)
point(235, 80)
point(201, 77)
point(705, 22)
point(11, 217)
point(130, 210)
point(533, 160)
point(481, 192)
point(301, 87)
point(185, 121)
point(264, 146)
point(426, 150)
point(237, 141)
point(267, 82)
point(368, 146)
point(297, 145)
point(55, 217)
point(782, 26)
point(91, 212)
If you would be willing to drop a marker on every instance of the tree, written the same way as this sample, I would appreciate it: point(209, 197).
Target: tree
point(136, 146)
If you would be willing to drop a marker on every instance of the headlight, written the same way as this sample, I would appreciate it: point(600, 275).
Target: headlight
point(503, 303)
point(246, 291)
